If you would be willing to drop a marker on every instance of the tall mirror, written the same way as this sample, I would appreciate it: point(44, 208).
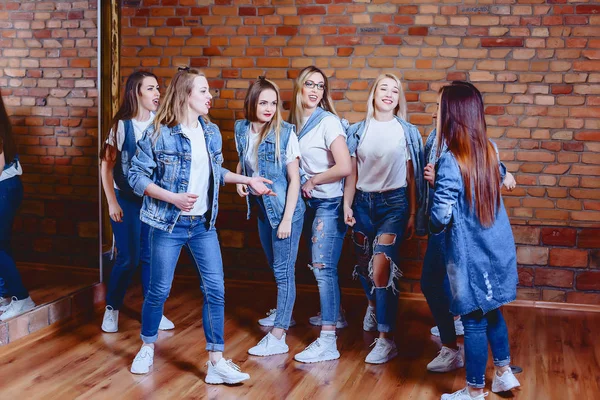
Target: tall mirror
point(49, 243)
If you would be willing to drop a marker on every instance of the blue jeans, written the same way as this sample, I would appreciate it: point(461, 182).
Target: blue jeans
point(481, 329)
point(11, 195)
point(436, 287)
point(195, 234)
point(281, 256)
point(324, 229)
point(131, 238)
point(377, 214)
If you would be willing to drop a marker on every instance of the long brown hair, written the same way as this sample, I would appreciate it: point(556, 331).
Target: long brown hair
point(174, 106)
point(251, 103)
point(296, 106)
point(463, 130)
point(7, 143)
point(128, 110)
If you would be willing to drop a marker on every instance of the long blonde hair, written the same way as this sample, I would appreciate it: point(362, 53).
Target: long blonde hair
point(296, 111)
point(174, 106)
point(250, 105)
point(400, 109)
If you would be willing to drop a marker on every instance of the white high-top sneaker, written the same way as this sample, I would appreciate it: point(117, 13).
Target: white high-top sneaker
point(17, 307)
point(370, 320)
point(110, 321)
point(504, 383)
point(463, 394)
point(224, 371)
point(143, 361)
point(269, 346)
point(384, 351)
point(322, 349)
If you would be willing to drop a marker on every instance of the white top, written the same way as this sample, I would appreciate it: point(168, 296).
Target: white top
point(292, 152)
point(138, 129)
point(315, 148)
point(12, 171)
point(381, 157)
point(200, 170)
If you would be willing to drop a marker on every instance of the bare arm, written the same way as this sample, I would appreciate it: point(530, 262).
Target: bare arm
point(341, 169)
point(285, 226)
point(2, 161)
point(106, 172)
point(349, 192)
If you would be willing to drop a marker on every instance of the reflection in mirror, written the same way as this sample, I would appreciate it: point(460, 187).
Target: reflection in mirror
point(48, 79)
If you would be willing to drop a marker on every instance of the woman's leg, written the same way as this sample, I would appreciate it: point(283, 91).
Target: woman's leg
point(476, 350)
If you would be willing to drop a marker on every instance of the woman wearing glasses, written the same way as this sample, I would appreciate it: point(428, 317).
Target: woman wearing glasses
point(325, 162)
point(178, 170)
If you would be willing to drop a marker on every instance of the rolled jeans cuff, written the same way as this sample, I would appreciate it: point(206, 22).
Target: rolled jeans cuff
point(149, 339)
point(502, 363)
point(215, 347)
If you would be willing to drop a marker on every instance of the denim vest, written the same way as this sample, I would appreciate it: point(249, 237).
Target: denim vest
point(415, 146)
point(270, 168)
point(315, 118)
point(431, 157)
point(123, 162)
point(167, 163)
point(481, 262)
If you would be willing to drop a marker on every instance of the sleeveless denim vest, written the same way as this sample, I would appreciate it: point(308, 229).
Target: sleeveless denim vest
point(270, 168)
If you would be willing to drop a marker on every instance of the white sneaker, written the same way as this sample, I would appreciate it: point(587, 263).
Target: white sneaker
point(384, 351)
point(370, 320)
point(17, 307)
point(110, 321)
point(458, 328)
point(224, 371)
point(340, 324)
point(269, 346)
point(143, 361)
point(4, 302)
point(463, 394)
point(269, 320)
point(504, 383)
point(446, 360)
point(322, 349)
point(165, 324)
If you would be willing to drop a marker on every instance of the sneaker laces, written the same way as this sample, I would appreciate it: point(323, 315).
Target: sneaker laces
point(271, 312)
point(464, 391)
point(444, 353)
point(110, 315)
point(313, 345)
point(265, 339)
point(11, 305)
point(233, 365)
point(378, 343)
point(143, 353)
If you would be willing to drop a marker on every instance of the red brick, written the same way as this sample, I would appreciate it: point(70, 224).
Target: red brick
point(418, 31)
point(568, 258)
point(553, 277)
point(588, 280)
point(559, 236)
point(532, 255)
point(502, 42)
point(589, 238)
point(525, 276)
point(526, 234)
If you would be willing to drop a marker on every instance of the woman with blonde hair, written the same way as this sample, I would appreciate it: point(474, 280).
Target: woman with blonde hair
point(325, 162)
point(381, 200)
point(268, 146)
point(178, 169)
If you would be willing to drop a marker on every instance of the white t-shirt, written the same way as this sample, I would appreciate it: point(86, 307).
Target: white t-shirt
point(11, 172)
point(381, 157)
point(200, 170)
point(138, 129)
point(292, 152)
point(315, 148)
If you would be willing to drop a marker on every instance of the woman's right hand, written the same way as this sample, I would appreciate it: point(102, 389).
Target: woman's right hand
point(429, 174)
point(115, 212)
point(184, 201)
point(242, 189)
point(349, 216)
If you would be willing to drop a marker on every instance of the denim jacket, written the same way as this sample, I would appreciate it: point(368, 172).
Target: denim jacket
point(415, 146)
point(167, 162)
point(270, 168)
point(481, 262)
point(123, 162)
point(431, 157)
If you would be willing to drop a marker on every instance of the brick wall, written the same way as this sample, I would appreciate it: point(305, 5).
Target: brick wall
point(537, 63)
point(48, 78)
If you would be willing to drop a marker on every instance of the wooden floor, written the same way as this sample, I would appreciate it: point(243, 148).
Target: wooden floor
point(558, 350)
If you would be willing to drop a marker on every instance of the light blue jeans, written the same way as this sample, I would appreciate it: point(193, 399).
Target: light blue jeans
point(193, 233)
point(281, 256)
point(324, 229)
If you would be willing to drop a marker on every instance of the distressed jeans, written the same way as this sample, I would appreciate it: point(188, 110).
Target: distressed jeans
point(193, 233)
point(324, 229)
point(281, 255)
point(481, 329)
point(377, 214)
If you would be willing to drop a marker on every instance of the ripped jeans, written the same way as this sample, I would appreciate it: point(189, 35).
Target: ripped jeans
point(481, 329)
point(324, 230)
point(381, 220)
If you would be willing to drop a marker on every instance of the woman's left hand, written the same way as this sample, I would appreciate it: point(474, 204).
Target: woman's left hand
point(307, 188)
point(285, 229)
point(410, 227)
point(257, 184)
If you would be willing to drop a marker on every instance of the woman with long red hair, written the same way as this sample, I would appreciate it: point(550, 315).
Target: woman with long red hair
point(480, 252)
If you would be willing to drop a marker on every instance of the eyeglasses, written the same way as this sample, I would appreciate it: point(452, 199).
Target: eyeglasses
point(311, 84)
point(186, 69)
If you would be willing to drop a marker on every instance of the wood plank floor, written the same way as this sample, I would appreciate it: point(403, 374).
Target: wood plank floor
point(558, 350)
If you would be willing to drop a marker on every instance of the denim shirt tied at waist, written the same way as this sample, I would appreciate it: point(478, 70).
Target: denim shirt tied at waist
point(481, 261)
point(270, 168)
point(415, 146)
point(166, 162)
